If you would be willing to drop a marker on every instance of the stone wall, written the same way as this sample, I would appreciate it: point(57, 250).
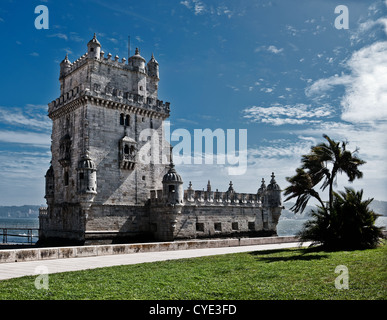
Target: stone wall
point(18, 255)
point(210, 221)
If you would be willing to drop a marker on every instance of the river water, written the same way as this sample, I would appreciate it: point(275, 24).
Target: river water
point(285, 227)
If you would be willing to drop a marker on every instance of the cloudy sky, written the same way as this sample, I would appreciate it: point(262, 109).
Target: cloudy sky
point(279, 69)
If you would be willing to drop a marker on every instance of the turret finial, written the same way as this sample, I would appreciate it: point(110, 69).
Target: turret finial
point(230, 189)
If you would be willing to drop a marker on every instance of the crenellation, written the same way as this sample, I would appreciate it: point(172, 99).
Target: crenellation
point(117, 98)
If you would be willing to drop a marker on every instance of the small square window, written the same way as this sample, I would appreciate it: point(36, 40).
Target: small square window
point(200, 227)
point(218, 226)
point(234, 226)
point(251, 225)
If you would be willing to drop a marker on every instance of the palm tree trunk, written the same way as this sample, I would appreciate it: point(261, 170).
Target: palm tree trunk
point(332, 179)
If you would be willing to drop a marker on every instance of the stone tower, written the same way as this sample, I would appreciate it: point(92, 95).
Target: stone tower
point(105, 107)
point(112, 177)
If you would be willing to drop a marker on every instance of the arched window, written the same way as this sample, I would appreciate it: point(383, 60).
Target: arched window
point(151, 123)
point(127, 119)
point(121, 119)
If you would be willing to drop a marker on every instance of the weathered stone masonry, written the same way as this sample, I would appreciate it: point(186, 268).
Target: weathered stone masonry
point(97, 187)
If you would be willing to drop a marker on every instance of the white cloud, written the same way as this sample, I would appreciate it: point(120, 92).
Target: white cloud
point(365, 97)
point(186, 3)
point(198, 7)
point(271, 48)
point(75, 37)
point(58, 35)
point(233, 88)
point(279, 114)
point(138, 38)
point(267, 90)
point(274, 49)
point(30, 117)
point(114, 40)
point(31, 138)
point(22, 176)
point(224, 10)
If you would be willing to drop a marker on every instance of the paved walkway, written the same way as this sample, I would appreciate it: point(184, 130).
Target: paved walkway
point(20, 269)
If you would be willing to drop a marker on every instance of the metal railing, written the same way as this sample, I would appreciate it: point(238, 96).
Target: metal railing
point(13, 232)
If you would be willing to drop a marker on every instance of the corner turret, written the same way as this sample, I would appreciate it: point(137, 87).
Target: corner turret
point(153, 67)
point(137, 62)
point(65, 66)
point(94, 48)
point(87, 181)
point(173, 192)
point(274, 193)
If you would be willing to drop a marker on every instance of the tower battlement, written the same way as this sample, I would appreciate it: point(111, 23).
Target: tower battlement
point(132, 102)
point(115, 62)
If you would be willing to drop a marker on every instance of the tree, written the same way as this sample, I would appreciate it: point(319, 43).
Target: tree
point(322, 165)
point(343, 221)
point(349, 225)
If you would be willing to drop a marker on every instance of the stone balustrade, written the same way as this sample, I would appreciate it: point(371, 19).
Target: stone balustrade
point(201, 197)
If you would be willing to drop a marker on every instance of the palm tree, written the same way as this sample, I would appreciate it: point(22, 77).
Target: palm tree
point(322, 164)
point(344, 221)
point(354, 221)
point(302, 187)
point(349, 225)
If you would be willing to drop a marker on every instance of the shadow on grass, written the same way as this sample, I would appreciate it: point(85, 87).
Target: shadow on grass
point(289, 255)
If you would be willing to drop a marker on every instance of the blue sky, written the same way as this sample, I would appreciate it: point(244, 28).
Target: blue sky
point(279, 69)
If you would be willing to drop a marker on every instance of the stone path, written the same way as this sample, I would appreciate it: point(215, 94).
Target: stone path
point(20, 269)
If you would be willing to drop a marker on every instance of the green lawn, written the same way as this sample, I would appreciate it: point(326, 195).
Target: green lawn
point(278, 274)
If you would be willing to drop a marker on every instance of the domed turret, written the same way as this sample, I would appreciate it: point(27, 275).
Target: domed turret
point(172, 175)
point(94, 48)
point(262, 191)
point(273, 184)
point(137, 62)
point(65, 66)
point(173, 192)
point(87, 177)
point(153, 67)
point(274, 192)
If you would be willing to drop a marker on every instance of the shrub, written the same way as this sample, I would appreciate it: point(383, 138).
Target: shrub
point(350, 224)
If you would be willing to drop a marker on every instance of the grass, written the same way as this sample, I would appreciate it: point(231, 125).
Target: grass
point(279, 274)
